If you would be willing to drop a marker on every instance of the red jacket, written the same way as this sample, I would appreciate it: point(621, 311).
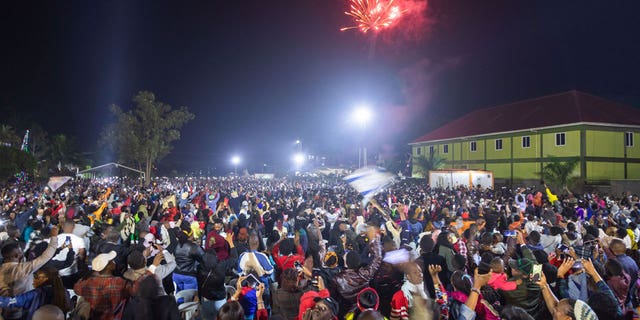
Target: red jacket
point(286, 262)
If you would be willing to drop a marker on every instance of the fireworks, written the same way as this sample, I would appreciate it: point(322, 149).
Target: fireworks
point(373, 15)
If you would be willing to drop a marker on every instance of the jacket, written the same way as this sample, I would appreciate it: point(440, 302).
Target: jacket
point(188, 258)
point(32, 300)
point(349, 282)
point(212, 274)
point(285, 303)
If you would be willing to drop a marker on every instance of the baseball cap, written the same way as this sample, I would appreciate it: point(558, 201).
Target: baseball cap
point(523, 265)
point(101, 260)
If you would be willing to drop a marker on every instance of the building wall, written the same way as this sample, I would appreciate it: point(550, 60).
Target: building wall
point(600, 143)
point(634, 151)
point(532, 151)
point(493, 153)
point(633, 171)
point(526, 170)
point(570, 149)
point(599, 171)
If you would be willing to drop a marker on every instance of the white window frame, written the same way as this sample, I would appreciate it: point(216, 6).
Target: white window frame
point(496, 144)
point(418, 150)
point(432, 149)
point(473, 146)
point(564, 137)
point(628, 139)
point(528, 139)
point(445, 148)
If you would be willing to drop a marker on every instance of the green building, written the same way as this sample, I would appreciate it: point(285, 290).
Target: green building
point(514, 140)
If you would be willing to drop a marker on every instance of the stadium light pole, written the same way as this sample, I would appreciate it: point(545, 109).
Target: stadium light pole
point(235, 160)
point(298, 160)
point(362, 116)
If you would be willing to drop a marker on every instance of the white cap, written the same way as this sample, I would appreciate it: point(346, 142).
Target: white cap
point(101, 261)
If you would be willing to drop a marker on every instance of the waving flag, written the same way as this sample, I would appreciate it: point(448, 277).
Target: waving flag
point(57, 182)
point(369, 181)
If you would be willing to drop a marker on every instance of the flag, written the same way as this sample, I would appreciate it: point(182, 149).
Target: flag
point(57, 182)
point(369, 181)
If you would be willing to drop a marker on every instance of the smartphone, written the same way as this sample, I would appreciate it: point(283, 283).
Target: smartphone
point(315, 272)
point(509, 233)
point(537, 271)
point(577, 265)
point(252, 281)
point(67, 241)
point(298, 266)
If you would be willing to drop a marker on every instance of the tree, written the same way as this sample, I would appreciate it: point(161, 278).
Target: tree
point(142, 136)
point(8, 136)
point(558, 172)
point(63, 151)
point(13, 160)
point(423, 164)
point(39, 142)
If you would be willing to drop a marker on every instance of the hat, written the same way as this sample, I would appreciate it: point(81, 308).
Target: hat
point(367, 299)
point(523, 265)
point(101, 260)
point(331, 259)
point(583, 311)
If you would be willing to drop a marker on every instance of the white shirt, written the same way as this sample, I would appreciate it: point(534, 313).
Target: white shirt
point(77, 243)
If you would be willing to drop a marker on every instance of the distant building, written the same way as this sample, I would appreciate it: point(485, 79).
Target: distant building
point(514, 140)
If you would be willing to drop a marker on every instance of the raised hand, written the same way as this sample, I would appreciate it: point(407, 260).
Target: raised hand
point(565, 267)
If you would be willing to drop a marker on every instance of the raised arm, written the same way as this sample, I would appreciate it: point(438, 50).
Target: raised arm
point(549, 298)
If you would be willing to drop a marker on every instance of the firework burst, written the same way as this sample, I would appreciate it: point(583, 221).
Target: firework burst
point(373, 15)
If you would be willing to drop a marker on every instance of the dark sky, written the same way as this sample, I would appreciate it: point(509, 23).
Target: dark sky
point(260, 74)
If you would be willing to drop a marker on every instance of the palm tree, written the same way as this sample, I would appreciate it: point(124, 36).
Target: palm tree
point(559, 173)
point(423, 164)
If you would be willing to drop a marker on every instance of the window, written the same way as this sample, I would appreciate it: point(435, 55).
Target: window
point(560, 139)
point(418, 149)
point(628, 139)
point(445, 148)
point(431, 149)
point(473, 146)
point(498, 144)
point(526, 142)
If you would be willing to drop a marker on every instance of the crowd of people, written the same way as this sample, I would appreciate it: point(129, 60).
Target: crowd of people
point(308, 248)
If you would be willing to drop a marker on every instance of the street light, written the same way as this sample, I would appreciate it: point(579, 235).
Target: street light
point(362, 115)
point(235, 160)
point(299, 145)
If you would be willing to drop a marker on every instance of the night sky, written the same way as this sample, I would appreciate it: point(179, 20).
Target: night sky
point(260, 74)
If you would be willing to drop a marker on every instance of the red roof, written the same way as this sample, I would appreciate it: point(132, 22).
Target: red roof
point(552, 110)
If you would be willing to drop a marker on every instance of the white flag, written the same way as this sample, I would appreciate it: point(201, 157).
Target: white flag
point(57, 182)
point(369, 181)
